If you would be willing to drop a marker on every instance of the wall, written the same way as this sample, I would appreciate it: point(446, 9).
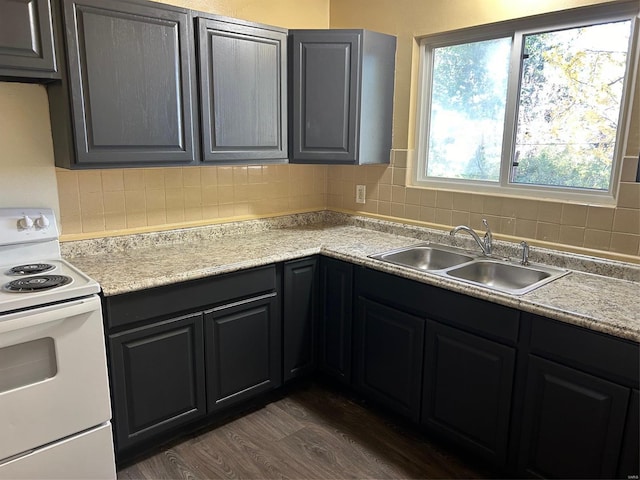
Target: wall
point(108, 202)
point(114, 201)
point(281, 13)
point(590, 229)
point(27, 175)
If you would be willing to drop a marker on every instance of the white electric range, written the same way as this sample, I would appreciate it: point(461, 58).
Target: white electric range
point(54, 392)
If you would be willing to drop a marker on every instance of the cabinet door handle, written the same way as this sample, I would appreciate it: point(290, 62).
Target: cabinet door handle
point(243, 302)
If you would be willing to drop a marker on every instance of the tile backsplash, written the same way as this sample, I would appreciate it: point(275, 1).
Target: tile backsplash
point(613, 229)
point(102, 202)
point(107, 202)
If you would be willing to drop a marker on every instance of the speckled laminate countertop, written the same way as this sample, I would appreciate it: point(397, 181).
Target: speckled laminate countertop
point(127, 264)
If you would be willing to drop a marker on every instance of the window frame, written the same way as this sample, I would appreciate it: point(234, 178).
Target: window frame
point(517, 29)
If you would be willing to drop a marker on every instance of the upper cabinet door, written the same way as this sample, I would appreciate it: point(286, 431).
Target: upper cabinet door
point(26, 39)
point(326, 94)
point(131, 81)
point(341, 96)
point(243, 92)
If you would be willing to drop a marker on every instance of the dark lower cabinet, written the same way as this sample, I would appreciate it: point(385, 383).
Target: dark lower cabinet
point(629, 466)
point(388, 356)
point(169, 369)
point(573, 423)
point(243, 350)
point(532, 396)
point(467, 388)
point(299, 313)
point(336, 292)
point(580, 417)
point(157, 378)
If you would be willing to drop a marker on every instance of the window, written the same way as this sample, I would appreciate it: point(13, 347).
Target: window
point(468, 101)
point(531, 107)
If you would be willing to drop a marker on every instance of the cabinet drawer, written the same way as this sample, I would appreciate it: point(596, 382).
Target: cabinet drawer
point(139, 306)
point(488, 319)
point(594, 352)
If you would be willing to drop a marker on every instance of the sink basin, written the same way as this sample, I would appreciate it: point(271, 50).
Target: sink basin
point(488, 272)
point(509, 278)
point(425, 257)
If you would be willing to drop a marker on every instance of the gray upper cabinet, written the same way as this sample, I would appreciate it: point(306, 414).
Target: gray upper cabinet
point(243, 72)
point(129, 96)
point(341, 96)
point(26, 40)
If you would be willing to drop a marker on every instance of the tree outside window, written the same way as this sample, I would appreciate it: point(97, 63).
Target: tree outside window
point(570, 98)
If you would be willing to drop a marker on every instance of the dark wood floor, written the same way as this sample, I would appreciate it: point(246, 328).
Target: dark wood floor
point(313, 433)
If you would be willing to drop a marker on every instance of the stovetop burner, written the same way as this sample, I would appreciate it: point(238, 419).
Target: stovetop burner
point(36, 283)
point(30, 269)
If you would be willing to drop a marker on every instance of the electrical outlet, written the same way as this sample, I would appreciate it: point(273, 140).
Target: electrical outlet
point(361, 193)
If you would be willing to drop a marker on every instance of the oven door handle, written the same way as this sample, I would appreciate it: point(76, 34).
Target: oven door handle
point(20, 320)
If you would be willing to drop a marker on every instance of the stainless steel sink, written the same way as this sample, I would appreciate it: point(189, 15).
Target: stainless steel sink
point(455, 263)
point(425, 257)
point(505, 277)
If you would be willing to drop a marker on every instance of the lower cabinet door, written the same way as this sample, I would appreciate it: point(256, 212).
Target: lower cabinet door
point(300, 306)
point(629, 462)
point(157, 378)
point(336, 293)
point(467, 389)
point(573, 423)
point(243, 350)
point(389, 347)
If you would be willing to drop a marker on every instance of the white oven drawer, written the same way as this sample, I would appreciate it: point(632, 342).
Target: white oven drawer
point(88, 455)
point(53, 374)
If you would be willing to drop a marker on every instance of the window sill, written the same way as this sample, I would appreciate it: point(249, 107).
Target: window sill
point(604, 199)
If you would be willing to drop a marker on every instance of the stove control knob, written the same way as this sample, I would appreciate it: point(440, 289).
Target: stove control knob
point(42, 222)
point(25, 223)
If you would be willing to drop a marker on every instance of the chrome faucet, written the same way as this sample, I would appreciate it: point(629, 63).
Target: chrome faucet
point(485, 244)
point(525, 253)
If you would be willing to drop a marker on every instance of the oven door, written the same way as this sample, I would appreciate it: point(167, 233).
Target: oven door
point(53, 374)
